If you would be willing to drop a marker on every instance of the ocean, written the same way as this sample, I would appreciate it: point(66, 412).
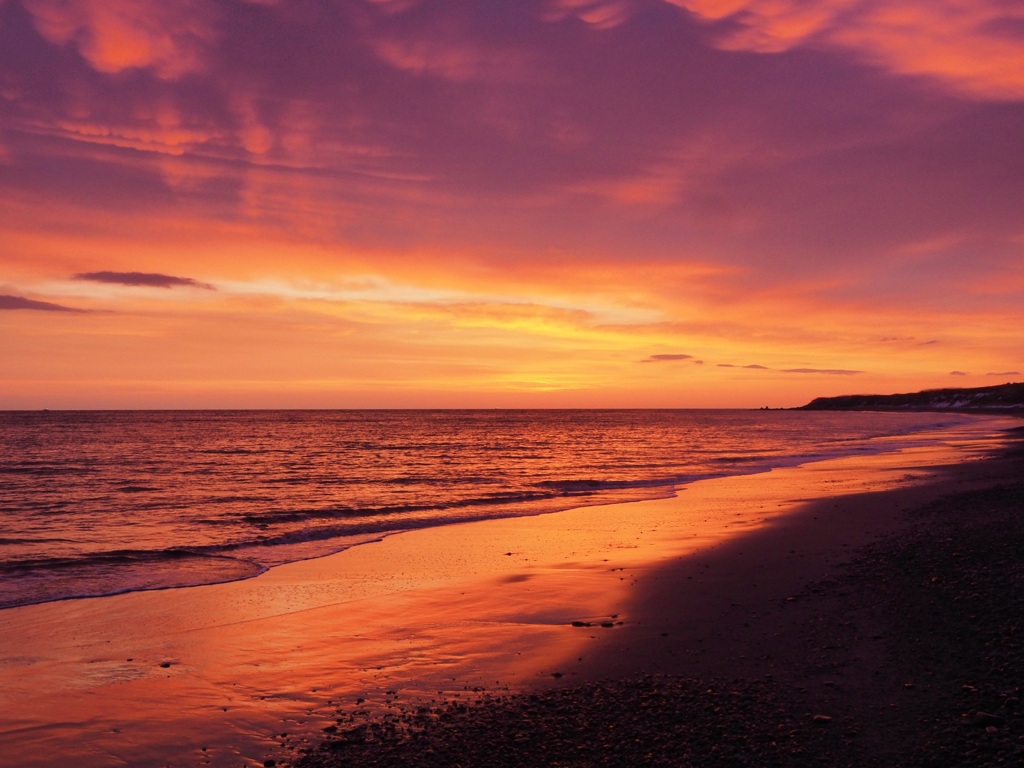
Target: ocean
point(98, 503)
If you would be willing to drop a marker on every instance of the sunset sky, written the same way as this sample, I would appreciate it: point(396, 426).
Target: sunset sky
point(507, 203)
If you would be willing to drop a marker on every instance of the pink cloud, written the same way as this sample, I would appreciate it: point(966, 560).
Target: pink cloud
point(599, 14)
point(452, 58)
point(971, 45)
point(115, 35)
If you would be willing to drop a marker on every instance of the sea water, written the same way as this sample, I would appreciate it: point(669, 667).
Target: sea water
point(96, 503)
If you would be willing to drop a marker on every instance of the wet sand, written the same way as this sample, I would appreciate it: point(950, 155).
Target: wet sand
point(237, 674)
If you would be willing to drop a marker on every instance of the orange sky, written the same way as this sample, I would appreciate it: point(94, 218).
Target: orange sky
point(417, 203)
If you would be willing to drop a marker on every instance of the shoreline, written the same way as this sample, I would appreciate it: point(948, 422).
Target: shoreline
point(772, 566)
point(126, 565)
point(216, 674)
point(891, 643)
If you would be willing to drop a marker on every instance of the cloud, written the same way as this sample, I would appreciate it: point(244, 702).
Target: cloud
point(600, 14)
point(114, 35)
point(972, 46)
point(827, 371)
point(666, 358)
point(757, 367)
point(958, 373)
point(163, 135)
point(1004, 373)
point(453, 59)
point(143, 280)
point(20, 302)
point(899, 339)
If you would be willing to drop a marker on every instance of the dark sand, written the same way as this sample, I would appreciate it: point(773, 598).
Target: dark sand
point(879, 629)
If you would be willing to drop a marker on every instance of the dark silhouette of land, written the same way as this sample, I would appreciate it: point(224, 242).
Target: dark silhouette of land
point(1002, 398)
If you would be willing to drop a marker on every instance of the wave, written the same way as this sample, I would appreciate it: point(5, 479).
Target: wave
point(117, 557)
point(12, 540)
point(47, 469)
point(540, 491)
point(236, 451)
point(46, 579)
point(589, 486)
point(746, 459)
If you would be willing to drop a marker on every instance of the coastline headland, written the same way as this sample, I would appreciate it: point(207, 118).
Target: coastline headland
point(1001, 398)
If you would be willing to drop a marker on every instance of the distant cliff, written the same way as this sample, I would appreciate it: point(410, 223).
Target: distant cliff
point(1003, 397)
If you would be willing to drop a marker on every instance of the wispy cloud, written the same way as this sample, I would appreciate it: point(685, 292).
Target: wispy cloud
point(20, 302)
point(666, 358)
point(970, 46)
point(826, 371)
point(118, 35)
point(1004, 373)
point(143, 280)
point(959, 373)
point(908, 339)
